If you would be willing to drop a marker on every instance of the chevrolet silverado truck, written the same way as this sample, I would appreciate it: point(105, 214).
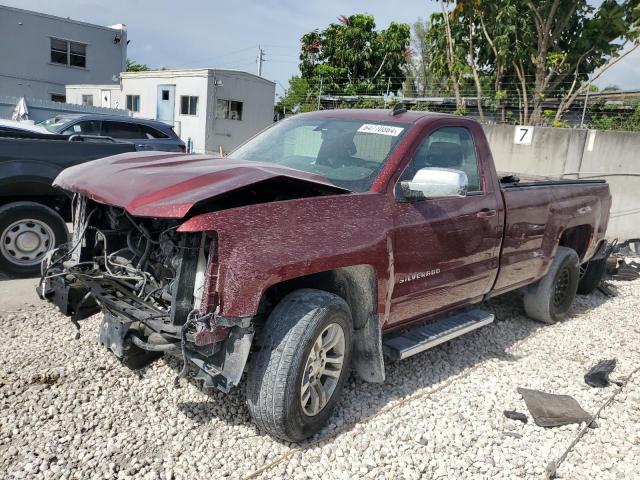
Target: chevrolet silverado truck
point(329, 243)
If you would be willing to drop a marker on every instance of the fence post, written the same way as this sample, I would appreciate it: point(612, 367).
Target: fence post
point(319, 94)
point(584, 108)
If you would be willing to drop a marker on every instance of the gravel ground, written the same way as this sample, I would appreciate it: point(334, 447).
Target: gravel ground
point(68, 409)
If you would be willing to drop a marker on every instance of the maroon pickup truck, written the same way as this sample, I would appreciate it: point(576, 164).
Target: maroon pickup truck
point(325, 244)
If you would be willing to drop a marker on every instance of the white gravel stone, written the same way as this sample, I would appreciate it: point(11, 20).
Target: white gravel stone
point(68, 409)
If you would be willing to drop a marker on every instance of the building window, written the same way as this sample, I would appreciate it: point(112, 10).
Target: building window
point(165, 94)
point(133, 103)
point(188, 105)
point(68, 53)
point(229, 109)
point(87, 100)
point(56, 97)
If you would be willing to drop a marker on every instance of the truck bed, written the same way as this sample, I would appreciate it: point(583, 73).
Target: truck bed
point(537, 212)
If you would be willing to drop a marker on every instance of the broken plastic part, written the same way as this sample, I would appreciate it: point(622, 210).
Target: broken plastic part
point(598, 375)
point(549, 410)
point(513, 415)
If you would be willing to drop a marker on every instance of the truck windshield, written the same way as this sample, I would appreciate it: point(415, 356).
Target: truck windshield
point(348, 153)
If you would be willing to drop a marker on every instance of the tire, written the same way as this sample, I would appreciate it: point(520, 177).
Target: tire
point(28, 230)
point(277, 371)
point(592, 276)
point(550, 298)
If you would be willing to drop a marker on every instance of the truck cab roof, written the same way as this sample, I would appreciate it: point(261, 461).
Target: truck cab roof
point(378, 115)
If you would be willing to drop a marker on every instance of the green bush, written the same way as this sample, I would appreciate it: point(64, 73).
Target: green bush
point(614, 119)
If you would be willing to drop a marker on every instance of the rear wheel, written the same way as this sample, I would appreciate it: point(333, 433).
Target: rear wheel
point(550, 298)
point(297, 377)
point(591, 275)
point(28, 230)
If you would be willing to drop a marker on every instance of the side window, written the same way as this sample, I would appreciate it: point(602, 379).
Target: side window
point(89, 127)
point(150, 132)
point(448, 147)
point(122, 130)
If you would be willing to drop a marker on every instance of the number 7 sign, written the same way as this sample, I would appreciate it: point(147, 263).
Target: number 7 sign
point(523, 135)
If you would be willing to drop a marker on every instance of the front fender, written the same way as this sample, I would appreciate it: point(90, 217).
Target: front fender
point(261, 245)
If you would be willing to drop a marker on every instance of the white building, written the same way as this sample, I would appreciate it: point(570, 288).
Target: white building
point(212, 107)
point(40, 54)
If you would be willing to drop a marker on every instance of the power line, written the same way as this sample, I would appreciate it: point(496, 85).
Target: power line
point(232, 53)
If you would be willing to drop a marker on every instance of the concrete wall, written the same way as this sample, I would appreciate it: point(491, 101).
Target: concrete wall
point(25, 53)
point(40, 110)
point(257, 95)
point(575, 153)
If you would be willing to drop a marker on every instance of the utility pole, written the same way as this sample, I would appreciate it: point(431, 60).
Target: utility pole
point(259, 60)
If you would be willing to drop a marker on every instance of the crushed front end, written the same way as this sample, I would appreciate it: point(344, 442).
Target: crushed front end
point(156, 287)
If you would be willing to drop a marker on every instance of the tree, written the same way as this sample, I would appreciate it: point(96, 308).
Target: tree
point(351, 57)
point(297, 98)
point(132, 66)
point(453, 66)
point(499, 54)
point(551, 48)
point(580, 42)
point(419, 77)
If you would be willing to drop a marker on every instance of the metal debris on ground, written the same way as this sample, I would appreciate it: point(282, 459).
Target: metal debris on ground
point(627, 270)
point(628, 248)
point(598, 375)
point(549, 410)
point(624, 260)
point(513, 415)
point(606, 290)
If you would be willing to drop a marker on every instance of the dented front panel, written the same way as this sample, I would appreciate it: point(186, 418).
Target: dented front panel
point(261, 245)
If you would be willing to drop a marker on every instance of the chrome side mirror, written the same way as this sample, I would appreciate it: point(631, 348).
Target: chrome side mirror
point(435, 182)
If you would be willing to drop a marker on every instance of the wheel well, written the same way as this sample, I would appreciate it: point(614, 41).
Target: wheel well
point(577, 238)
point(355, 284)
point(59, 203)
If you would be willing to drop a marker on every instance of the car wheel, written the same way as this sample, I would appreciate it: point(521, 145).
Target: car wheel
point(28, 230)
point(550, 298)
point(591, 275)
point(297, 376)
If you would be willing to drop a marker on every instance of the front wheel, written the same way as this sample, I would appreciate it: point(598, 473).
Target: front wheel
point(297, 377)
point(28, 230)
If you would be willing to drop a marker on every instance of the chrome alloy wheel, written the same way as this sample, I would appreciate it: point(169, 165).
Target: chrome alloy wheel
point(26, 241)
point(322, 370)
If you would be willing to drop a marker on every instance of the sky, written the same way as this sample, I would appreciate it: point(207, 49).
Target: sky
point(226, 34)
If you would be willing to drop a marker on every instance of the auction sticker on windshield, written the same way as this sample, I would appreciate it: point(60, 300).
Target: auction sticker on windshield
point(381, 129)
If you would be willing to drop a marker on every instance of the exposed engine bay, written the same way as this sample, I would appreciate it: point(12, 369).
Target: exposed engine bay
point(153, 285)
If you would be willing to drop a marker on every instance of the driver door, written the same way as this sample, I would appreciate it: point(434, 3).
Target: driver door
point(445, 249)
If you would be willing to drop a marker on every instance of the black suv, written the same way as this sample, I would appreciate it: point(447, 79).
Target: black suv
point(145, 134)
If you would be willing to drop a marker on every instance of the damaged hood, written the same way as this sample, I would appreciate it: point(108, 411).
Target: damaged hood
point(168, 185)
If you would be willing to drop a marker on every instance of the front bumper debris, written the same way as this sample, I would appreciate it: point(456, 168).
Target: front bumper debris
point(137, 333)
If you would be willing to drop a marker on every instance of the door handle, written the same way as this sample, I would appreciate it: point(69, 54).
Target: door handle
point(486, 213)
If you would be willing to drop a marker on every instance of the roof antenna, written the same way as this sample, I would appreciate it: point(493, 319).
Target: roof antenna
point(398, 108)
